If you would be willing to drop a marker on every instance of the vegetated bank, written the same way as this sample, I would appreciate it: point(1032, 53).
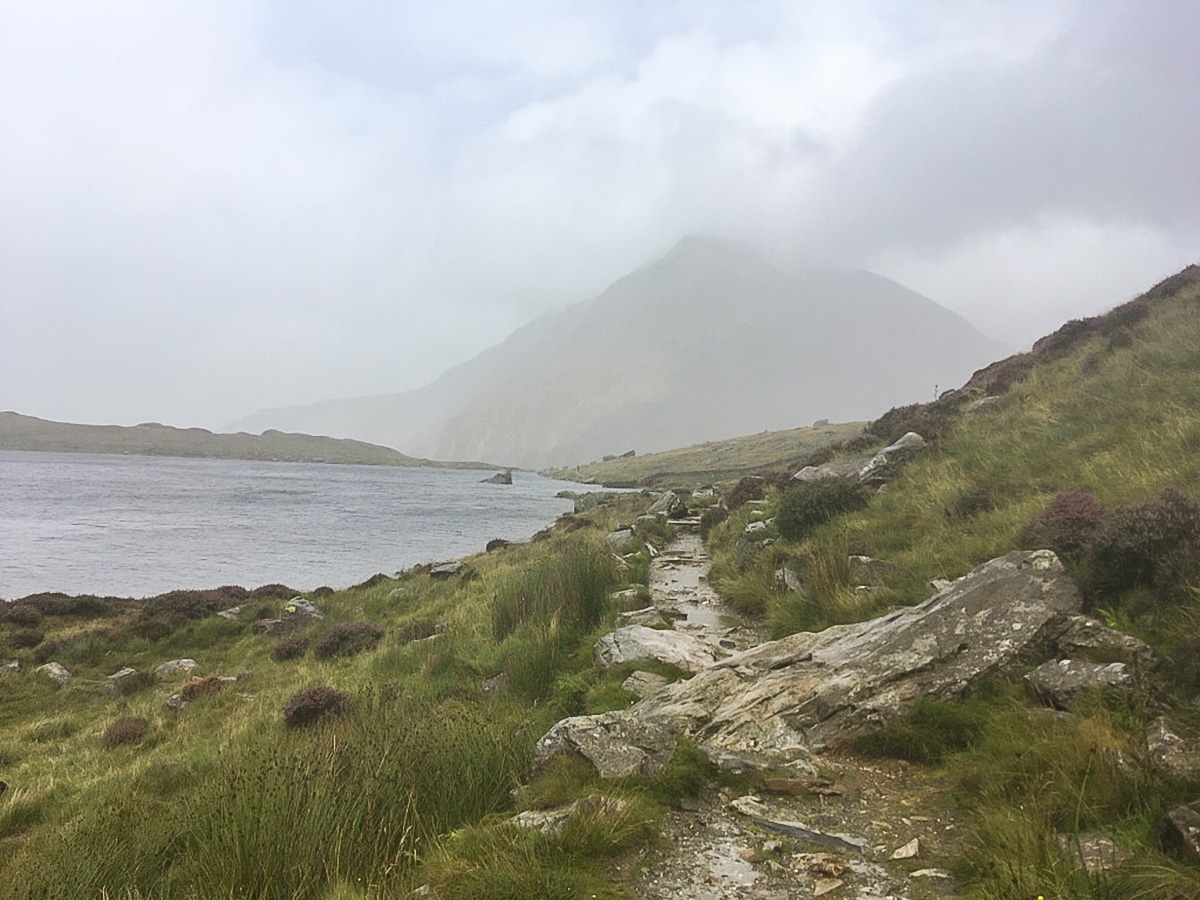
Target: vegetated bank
point(377, 749)
point(18, 432)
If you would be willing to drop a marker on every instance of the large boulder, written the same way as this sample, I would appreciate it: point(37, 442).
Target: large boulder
point(884, 463)
point(782, 701)
point(1060, 682)
point(56, 672)
point(637, 643)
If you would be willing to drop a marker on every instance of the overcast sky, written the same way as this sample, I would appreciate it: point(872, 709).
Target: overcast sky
point(211, 207)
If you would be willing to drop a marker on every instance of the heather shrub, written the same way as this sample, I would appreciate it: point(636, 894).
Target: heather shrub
point(22, 613)
point(347, 639)
point(292, 647)
point(26, 637)
point(809, 504)
point(128, 730)
point(1068, 525)
point(195, 688)
point(749, 488)
point(311, 705)
point(1153, 544)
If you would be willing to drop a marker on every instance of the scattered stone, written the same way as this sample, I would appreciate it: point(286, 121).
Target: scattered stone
point(753, 808)
point(637, 643)
point(1083, 634)
point(755, 528)
point(122, 674)
point(231, 614)
point(499, 478)
point(176, 702)
point(886, 460)
point(444, 570)
point(175, 666)
point(551, 822)
point(643, 684)
point(1059, 683)
point(55, 672)
point(1094, 853)
point(838, 468)
point(823, 886)
point(397, 593)
point(865, 570)
point(930, 873)
point(821, 864)
point(1179, 831)
point(908, 851)
point(981, 404)
point(1171, 753)
point(772, 846)
point(797, 787)
point(620, 538)
point(669, 505)
point(626, 596)
point(645, 521)
point(303, 607)
point(495, 684)
point(617, 749)
point(786, 579)
point(11, 667)
point(419, 893)
point(649, 617)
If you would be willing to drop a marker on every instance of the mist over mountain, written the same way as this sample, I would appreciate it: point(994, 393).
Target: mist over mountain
point(707, 342)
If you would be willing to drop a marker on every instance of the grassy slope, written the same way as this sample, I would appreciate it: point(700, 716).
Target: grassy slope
point(714, 460)
point(408, 786)
point(1110, 407)
point(19, 432)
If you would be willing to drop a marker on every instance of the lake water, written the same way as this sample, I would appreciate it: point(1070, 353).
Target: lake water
point(137, 526)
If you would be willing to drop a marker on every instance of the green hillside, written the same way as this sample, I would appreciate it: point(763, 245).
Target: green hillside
point(712, 461)
point(423, 751)
point(18, 432)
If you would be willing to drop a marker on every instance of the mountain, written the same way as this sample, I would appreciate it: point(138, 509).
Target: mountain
point(706, 342)
point(18, 432)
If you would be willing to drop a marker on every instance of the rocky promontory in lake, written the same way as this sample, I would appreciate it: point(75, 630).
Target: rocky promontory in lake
point(950, 654)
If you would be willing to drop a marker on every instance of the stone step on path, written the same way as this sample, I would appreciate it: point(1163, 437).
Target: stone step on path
point(679, 589)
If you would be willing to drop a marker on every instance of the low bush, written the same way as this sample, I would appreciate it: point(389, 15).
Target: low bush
point(347, 639)
point(22, 613)
point(124, 731)
point(1153, 544)
point(312, 705)
point(810, 504)
point(292, 647)
point(749, 488)
point(26, 637)
point(195, 688)
point(1067, 525)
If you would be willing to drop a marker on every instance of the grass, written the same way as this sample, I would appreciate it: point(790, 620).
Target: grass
point(414, 783)
point(1118, 420)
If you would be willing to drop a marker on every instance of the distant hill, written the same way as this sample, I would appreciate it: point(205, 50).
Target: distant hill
point(18, 432)
point(706, 342)
point(714, 461)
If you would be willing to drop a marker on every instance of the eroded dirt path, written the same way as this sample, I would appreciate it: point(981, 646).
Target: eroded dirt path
point(846, 836)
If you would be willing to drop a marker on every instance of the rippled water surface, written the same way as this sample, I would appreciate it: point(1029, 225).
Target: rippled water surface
point(138, 525)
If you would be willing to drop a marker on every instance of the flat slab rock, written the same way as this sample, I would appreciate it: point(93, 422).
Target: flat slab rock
point(637, 643)
point(784, 700)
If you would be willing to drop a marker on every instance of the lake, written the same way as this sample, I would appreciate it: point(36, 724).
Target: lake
point(142, 525)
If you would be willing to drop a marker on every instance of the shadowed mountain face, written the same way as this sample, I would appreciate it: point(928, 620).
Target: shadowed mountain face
point(706, 342)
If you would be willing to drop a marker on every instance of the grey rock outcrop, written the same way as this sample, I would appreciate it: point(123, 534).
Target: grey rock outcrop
point(1094, 853)
point(1179, 831)
point(784, 700)
point(499, 478)
point(12, 667)
point(643, 684)
point(1169, 752)
point(1084, 634)
point(443, 570)
point(649, 617)
point(175, 666)
point(1059, 682)
point(669, 504)
point(886, 460)
point(551, 822)
point(637, 643)
point(620, 539)
point(55, 672)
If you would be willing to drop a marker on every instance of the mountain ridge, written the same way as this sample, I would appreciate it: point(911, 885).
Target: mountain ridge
point(706, 341)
